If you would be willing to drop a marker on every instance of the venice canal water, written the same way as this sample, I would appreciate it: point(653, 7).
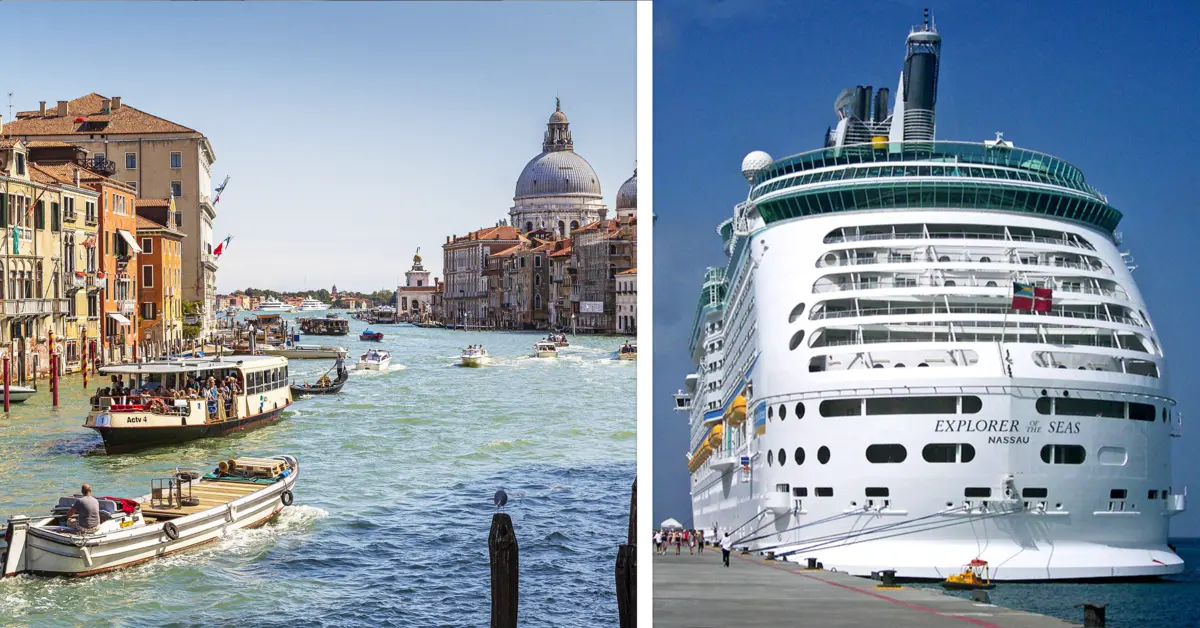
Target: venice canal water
point(394, 501)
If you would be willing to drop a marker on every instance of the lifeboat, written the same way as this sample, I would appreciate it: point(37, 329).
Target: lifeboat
point(715, 437)
point(736, 414)
point(698, 458)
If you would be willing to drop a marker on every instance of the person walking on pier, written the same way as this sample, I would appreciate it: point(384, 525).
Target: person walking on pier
point(726, 547)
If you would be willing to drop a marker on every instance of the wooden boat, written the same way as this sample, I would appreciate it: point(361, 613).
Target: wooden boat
point(373, 336)
point(975, 575)
point(475, 357)
point(130, 422)
point(333, 387)
point(180, 513)
point(545, 349)
point(305, 352)
point(374, 361)
point(18, 394)
point(628, 351)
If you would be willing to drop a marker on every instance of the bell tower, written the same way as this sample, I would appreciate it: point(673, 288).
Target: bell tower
point(558, 131)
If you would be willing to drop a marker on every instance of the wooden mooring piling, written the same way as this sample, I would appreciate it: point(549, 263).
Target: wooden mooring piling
point(504, 559)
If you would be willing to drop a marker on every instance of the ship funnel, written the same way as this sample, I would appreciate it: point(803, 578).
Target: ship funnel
point(919, 81)
point(861, 96)
point(881, 105)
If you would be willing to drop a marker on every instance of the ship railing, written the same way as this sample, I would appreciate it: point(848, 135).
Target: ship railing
point(966, 309)
point(954, 235)
point(142, 403)
point(925, 259)
point(1013, 335)
point(953, 282)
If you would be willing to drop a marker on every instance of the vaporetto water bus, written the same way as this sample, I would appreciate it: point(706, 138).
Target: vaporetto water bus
point(149, 415)
point(873, 390)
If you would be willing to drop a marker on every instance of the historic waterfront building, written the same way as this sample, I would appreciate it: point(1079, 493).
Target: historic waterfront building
point(464, 260)
point(558, 190)
point(160, 274)
point(415, 297)
point(600, 251)
point(627, 198)
point(152, 156)
point(627, 301)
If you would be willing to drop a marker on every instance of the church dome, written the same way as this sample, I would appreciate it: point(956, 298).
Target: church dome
point(558, 173)
point(558, 117)
point(627, 195)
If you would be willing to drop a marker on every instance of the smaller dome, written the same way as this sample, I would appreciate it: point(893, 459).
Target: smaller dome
point(754, 162)
point(627, 195)
point(558, 117)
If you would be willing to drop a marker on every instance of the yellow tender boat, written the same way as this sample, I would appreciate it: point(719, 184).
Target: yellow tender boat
point(975, 575)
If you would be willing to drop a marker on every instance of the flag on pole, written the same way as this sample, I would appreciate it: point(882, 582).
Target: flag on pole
point(221, 188)
point(1028, 298)
point(222, 246)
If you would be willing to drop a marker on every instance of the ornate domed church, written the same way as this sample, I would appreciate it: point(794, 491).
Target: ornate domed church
point(558, 190)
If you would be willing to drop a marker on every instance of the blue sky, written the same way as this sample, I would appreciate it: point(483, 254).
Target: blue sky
point(354, 132)
point(1109, 86)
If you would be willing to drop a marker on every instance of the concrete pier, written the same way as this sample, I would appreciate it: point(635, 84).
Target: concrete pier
point(696, 591)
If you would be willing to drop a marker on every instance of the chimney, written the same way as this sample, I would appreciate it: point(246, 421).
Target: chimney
point(42, 110)
point(106, 105)
point(116, 103)
point(447, 239)
point(75, 178)
point(62, 109)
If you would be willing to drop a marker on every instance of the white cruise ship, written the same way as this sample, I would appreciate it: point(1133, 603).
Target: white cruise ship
point(272, 305)
point(923, 353)
point(312, 305)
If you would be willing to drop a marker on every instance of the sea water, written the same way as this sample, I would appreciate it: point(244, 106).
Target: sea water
point(394, 501)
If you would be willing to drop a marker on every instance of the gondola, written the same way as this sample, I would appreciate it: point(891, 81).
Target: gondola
point(332, 389)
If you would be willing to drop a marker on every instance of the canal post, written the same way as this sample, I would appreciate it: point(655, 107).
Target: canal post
point(626, 569)
point(502, 549)
point(6, 381)
point(53, 369)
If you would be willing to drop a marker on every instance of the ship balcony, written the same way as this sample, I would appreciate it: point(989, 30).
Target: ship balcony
point(851, 309)
point(724, 460)
point(683, 401)
point(1176, 502)
point(1036, 236)
point(777, 502)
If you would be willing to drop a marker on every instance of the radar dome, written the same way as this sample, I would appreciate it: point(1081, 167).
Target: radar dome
point(754, 162)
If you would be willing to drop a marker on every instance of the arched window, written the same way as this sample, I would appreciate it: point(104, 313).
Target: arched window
point(528, 226)
point(562, 228)
point(574, 225)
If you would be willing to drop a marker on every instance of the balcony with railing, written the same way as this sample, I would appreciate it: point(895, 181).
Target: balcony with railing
point(34, 307)
point(23, 234)
point(128, 306)
point(98, 164)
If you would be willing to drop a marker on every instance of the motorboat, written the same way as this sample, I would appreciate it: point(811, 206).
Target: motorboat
point(372, 336)
point(374, 360)
point(179, 513)
point(312, 305)
point(975, 575)
point(303, 352)
point(145, 416)
point(332, 325)
point(545, 349)
point(476, 356)
point(628, 351)
point(559, 340)
point(232, 310)
point(273, 305)
point(323, 386)
point(18, 394)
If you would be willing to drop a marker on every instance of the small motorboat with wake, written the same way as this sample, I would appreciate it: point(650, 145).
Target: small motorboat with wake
point(545, 349)
point(181, 512)
point(975, 575)
point(628, 351)
point(372, 336)
point(559, 340)
point(475, 355)
point(374, 360)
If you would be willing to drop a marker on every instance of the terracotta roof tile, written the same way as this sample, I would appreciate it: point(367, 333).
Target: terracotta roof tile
point(152, 202)
point(47, 144)
point(8, 142)
point(631, 271)
point(509, 251)
point(145, 223)
point(126, 120)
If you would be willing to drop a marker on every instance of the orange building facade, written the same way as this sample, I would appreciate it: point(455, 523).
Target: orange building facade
point(159, 276)
point(118, 263)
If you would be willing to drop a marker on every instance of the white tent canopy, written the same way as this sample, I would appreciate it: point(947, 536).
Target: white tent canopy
point(671, 524)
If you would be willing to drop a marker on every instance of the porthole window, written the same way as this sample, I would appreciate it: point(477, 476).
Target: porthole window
point(782, 412)
point(971, 404)
point(798, 455)
point(797, 338)
point(987, 260)
point(923, 364)
point(949, 283)
point(799, 410)
point(1044, 405)
point(831, 259)
point(782, 456)
point(877, 366)
point(796, 312)
point(1164, 413)
point(990, 284)
point(823, 454)
point(1063, 454)
point(899, 365)
point(944, 258)
point(770, 458)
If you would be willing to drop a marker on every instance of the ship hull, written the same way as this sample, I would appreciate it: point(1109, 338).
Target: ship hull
point(120, 440)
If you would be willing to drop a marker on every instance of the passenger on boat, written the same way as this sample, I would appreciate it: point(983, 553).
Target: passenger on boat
point(86, 512)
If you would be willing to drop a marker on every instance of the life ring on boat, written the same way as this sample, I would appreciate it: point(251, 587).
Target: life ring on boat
point(171, 530)
point(287, 497)
point(157, 406)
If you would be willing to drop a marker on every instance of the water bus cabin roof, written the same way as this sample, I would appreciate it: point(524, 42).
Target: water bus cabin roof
point(242, 362)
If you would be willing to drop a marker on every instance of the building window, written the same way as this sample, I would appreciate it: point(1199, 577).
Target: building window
point(131, 184)
point(148, 311)
point(21, 163)
point(176, 160)
point(147, 276)
point(537, 261)
point(131, 161)
point(177, 189)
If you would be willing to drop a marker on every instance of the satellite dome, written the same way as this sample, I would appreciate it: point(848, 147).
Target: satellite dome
point(754, 162)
